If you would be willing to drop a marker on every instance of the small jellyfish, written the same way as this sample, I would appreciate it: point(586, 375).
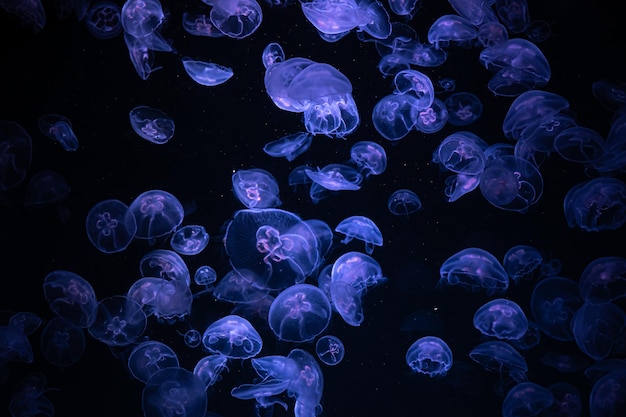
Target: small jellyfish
point(330, 350)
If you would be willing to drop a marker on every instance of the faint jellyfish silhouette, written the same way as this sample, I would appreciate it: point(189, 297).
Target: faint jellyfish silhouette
point(608, 395)
point(59, 129)
point(236, 18)
point(206, 73)
point(152, 124)
point(25, 322)
point(567, 399)
point(192, 338)
point(511, 183)
point(451, 29)
point(600, 368)
point(157, 214)
point(447, 84)
point(597, 204)
point(256, 188)
point(289, 146)
point(501, 318)
point(403, 7)
point(565, 362)
point(520, 261)
point(369, 157)
point(150, 356)
point(433, 118)
point(599, 329)
point(210, 368)
point(501, 357)
point(610, 93)
point(580, 144)
point(531, 338)
point(70, 296)
point(189, 240)
point(429, 355)
point(119, 321)
point(62, 343)
point(28, 397)
point(276, 246)
point(474, 269)
point(538, 30)
point(553, 303)
point(330, 350)
point(603, 280)
point(491, 33)
point(519, 66)
point(513, 14)
point(463, 108)
point(361, 228)
point(526, 399)
point(174, 391)
point(530, 109)
point(44, 188)
point(299, 313)
point(232, 336)
point(111, 226)
point(404, 202)
point(104, 20)
point(164, 263)
point(16, 150)
point(272, 54)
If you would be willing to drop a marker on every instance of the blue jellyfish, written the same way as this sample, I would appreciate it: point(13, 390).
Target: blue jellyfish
point(429, 355)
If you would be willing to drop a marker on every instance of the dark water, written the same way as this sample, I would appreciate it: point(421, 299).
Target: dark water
point(222, 129)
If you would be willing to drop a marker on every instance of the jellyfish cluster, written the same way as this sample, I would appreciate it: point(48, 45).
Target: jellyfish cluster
point(308, 208)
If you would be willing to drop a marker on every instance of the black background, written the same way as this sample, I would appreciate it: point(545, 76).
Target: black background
point(63, 69)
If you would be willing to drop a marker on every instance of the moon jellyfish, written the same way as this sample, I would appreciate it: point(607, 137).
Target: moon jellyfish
point(149, 357)
point(189, 240)
point(361, 228)
point(157, 214)
point(369, 157)
point(62, 343)
point(59, 129)
point(236, 19)
point(119, 321)
point(519, 66)
point(429, 355)
point(603, 280)
point(511, 183)
point(501, 318)
point(553, 303)
point(152, 124)
point(256, 188)
point(207, 73)
point(330, 350)
point(474, 269)
point(71, 296)
point(277, 246)
point(15, 154)
point(597, 204)
point(232, 336)
point(111, 226)
point(403, 202)
point(174, 391)
point(526, 399)
point(299, 313)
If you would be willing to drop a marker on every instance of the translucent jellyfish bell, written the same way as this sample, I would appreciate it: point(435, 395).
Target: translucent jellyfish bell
point(361, 228)
point(275, 245)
